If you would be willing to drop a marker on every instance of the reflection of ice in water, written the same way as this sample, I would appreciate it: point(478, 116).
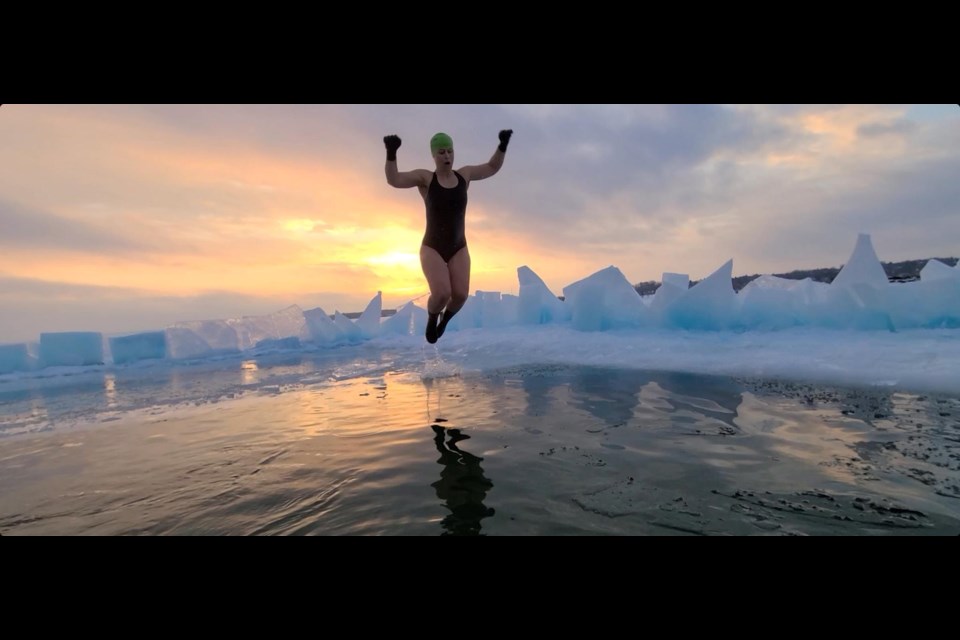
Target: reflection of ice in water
point(248, 371)
point(110, 390)
point(37, 409)
point(36, 418)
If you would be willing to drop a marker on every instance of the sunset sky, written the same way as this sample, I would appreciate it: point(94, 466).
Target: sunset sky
point(121, 218)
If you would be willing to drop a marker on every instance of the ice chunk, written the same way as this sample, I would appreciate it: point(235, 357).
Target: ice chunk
point(671, 288)
point(139, 346)
point(863, 267)
point(369, 320)
point(71, 348)
point(285, 323)
point(509, 308)
point(202, 338)
point(679, 280)
point(605, 300)
point(711, 303)
point(769, 302)
point(491, 315)
point(537, 304)
point(270, 344)
point(408, 320)
point(936, 270)
point(351, 332)
point(468, 317)
point(15, 357)
point(322, 329)
point(932, 303)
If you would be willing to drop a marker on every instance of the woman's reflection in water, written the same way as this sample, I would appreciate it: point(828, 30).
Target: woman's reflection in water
point(462, 485)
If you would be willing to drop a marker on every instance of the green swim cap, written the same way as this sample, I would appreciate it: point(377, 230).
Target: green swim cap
point(440, 140)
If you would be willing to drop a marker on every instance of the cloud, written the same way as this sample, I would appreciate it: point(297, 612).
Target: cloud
point(900, 126)
point(292, 198)
point(771, 182)
point(25, 227)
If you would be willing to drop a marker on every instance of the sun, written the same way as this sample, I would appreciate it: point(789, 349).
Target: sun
point(403, 260)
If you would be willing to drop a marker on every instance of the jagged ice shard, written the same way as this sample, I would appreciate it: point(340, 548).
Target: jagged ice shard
point(860, 298)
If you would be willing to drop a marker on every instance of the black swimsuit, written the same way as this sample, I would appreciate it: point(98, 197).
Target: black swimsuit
point(446, 211)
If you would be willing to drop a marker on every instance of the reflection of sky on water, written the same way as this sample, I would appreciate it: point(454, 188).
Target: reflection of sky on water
point(294, 444)
point(65, 394)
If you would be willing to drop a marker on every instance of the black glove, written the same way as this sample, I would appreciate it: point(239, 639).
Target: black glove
point(504, 139)
point(392, 143)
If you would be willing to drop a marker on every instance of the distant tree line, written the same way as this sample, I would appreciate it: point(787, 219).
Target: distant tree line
point(905, 271)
